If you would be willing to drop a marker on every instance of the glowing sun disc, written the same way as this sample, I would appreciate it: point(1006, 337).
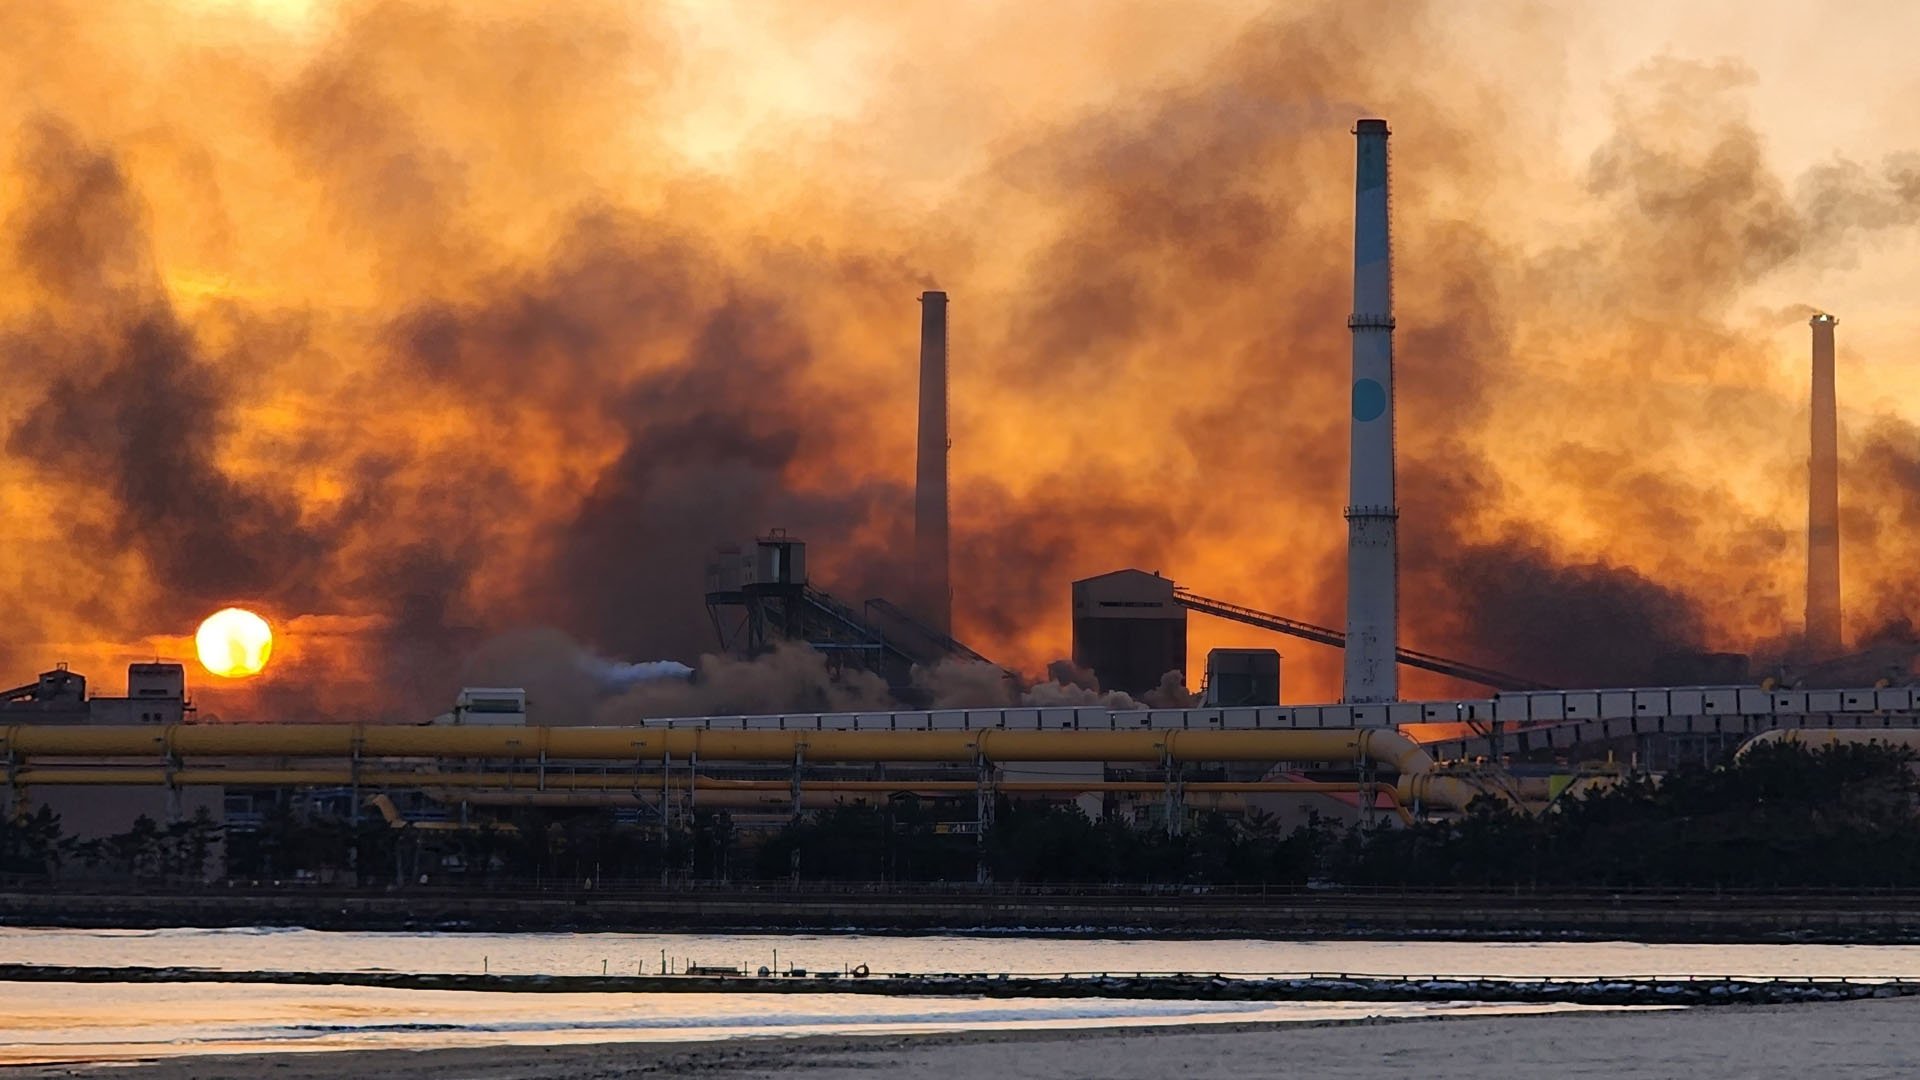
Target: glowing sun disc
point(234, 643)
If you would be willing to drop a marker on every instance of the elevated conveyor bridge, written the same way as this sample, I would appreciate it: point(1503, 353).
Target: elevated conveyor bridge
point(1457, 669)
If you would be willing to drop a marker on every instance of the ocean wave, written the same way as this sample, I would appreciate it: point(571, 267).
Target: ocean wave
point(230, 931)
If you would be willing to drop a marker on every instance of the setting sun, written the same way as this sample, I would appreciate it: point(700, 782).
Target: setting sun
point(234, 643)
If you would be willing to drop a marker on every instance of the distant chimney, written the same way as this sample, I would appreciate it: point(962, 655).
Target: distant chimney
point(933, 600)
point(1823, 502)
point(1372, 515)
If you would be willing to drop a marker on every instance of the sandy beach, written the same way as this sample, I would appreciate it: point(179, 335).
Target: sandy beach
point(1858, 1039)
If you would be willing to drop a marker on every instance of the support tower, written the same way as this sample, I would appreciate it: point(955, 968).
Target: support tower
point(1372, 559)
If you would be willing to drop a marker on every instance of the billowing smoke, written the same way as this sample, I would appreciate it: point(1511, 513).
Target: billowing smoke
point(567, 683)
point(970, 684)
point(790, 679)
point(408, 325)
point(620, 675)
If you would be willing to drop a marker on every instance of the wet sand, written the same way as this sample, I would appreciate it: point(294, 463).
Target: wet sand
point(1853, 1039)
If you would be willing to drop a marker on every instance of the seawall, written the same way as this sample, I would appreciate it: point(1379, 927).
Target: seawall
point(1702, 917)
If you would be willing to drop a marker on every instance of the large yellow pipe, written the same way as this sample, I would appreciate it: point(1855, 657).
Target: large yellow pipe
point(1820, 738)
point(595, 789)
point(641, 745)
point(641, 783)
point(1449, 792)
point(637, 744)
point(770, 802)
point(719, 800)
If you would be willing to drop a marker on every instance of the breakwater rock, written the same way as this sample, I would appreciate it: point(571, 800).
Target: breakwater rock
point(1193, 986)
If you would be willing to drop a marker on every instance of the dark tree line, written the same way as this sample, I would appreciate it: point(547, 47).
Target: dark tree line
point(528, 845)
point(34, 847)
point(1781, 816)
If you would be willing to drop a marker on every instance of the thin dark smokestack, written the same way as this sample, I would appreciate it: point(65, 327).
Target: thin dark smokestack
point(1372, 514)
point(1823, 501)
point(930, 531)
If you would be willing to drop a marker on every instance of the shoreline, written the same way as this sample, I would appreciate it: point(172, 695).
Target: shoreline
point(1664, 918)
point(704, 1053)
point(399, 1061)
point(668, 1048)
point(1866, 1038)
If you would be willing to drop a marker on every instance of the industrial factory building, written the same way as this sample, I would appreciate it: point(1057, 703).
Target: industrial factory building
point(1242, 677)
point(1130, 633)
point(1524, 744)
point(1129, 630)
point(156, 698)
point(758, 595)
point(156, 694)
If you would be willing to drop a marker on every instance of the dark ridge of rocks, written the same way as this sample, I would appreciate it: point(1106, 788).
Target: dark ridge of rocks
point(1184, 987)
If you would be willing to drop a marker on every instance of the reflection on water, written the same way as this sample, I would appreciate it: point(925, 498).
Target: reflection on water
point(71, 1022)
point(585, 954)
point(47, 1022)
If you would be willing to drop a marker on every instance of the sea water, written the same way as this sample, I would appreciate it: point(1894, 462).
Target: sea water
point(105, 1021)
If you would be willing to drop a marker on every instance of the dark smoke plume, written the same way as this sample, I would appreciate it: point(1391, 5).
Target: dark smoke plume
point(411, 326)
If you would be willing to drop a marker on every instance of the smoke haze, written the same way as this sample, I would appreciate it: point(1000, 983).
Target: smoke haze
point(411, 327)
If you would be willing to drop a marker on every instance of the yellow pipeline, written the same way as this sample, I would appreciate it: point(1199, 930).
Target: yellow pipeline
point(488, 787)
point(1820, 738)
point(1447, 792)
point(776, 801)
point(816, 796)
point(643, 745)
point(637, 744)
point(640, 782)
point(721, 800)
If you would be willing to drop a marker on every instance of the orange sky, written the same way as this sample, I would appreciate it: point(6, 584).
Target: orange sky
point(407, 325)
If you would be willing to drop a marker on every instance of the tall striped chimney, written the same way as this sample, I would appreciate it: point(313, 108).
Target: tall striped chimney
point(1823, 501)
point(933, 600)
point(1372, 561)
